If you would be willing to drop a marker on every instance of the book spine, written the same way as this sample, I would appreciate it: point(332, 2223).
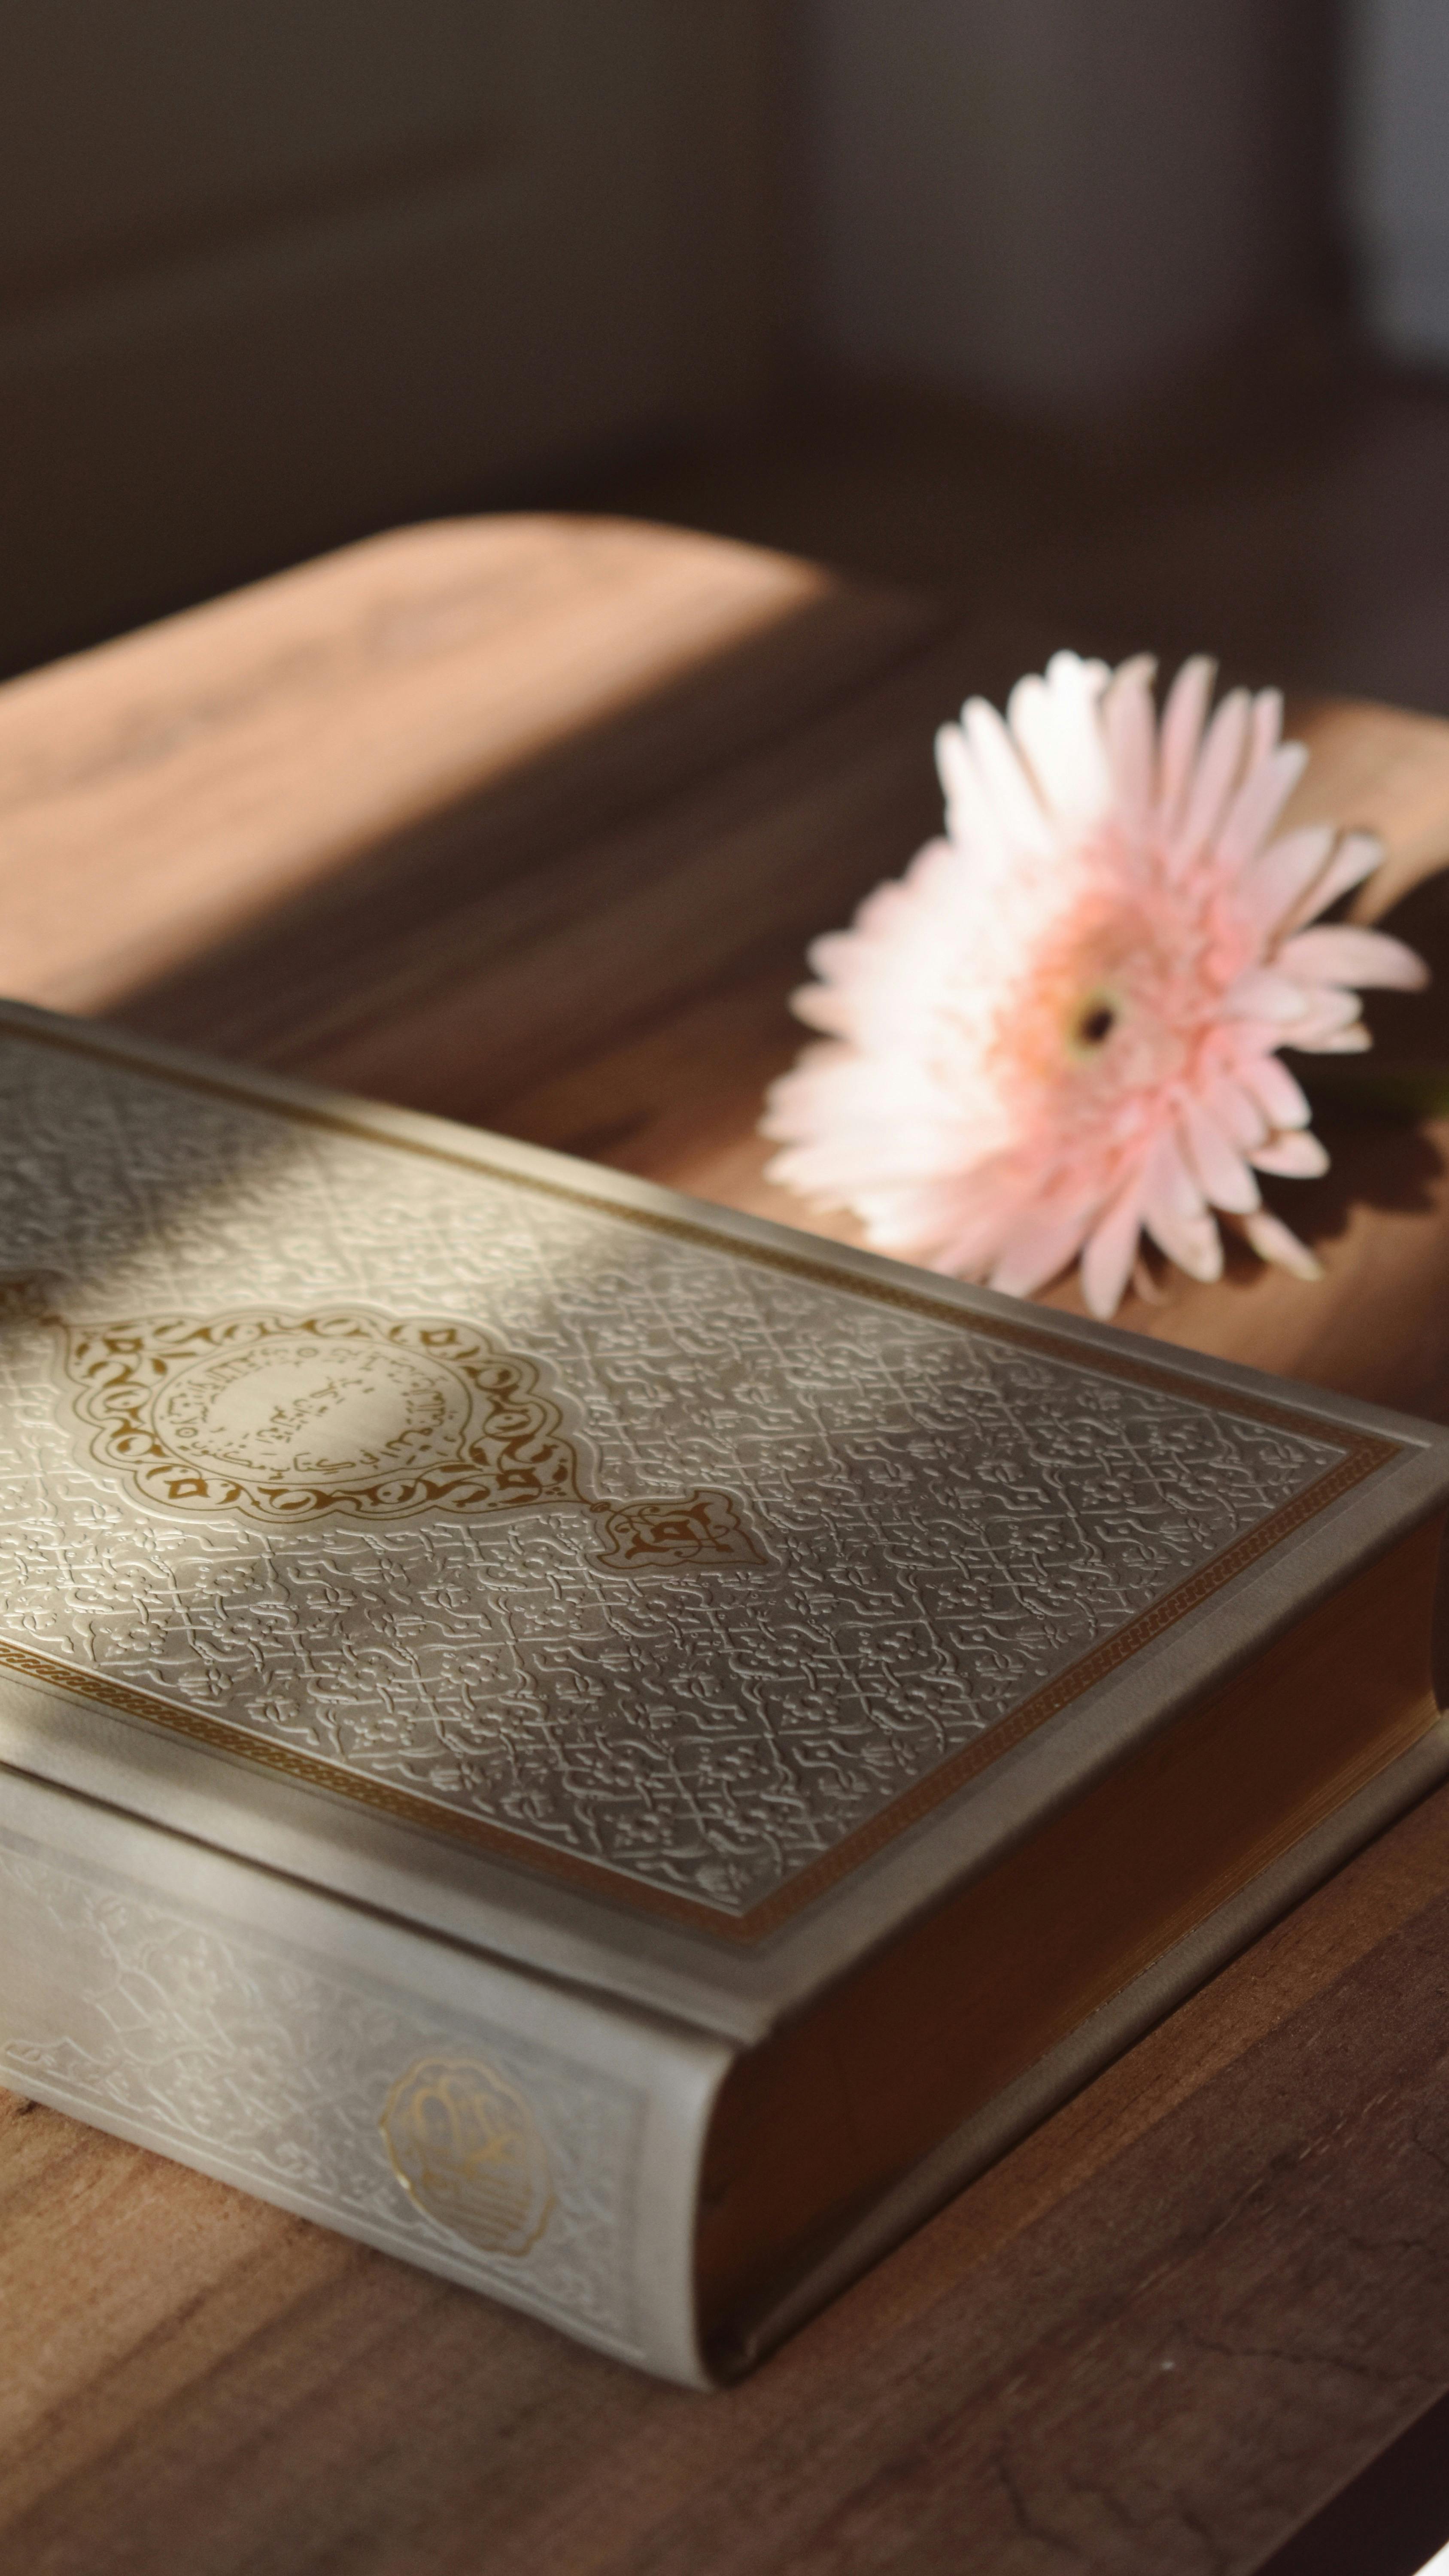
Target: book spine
point(513, 2136)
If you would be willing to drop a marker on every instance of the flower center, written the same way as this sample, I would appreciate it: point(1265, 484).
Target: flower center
point(1092, 1023)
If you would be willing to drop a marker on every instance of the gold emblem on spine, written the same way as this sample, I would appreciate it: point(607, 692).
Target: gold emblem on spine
point(465, 2146)
point(285, 1417)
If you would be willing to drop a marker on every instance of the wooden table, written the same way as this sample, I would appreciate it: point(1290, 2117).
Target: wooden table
point(528, 821)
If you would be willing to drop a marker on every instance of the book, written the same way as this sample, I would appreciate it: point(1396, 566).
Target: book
point(612, 1749)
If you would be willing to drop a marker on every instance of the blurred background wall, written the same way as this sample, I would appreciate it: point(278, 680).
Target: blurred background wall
point(274, 275)
point(1060, 205)
point(271, 278)
point(1396, 139)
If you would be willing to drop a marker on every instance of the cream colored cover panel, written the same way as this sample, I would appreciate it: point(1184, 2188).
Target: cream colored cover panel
point(680, 1566)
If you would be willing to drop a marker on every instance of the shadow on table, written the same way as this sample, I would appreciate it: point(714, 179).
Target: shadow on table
point(1390, 2521)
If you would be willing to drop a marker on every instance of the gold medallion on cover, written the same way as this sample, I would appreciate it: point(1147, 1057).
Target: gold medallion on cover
point(286, 1417)
point(466, 2148)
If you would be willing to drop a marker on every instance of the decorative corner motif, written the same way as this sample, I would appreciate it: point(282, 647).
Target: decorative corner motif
point(285, 1418)
point(702, 1527)
point(466, 2149)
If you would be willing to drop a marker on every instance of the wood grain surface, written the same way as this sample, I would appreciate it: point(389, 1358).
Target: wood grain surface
point(528, 821)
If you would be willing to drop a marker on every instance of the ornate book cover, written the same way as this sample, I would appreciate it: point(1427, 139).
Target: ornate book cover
point(485, 1642)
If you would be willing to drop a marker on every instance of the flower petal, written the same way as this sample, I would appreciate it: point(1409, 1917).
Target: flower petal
point(998, 766)
point(1036, 1249)
point(1112, 1249)
point(1278, 1095)
point(1356, 857)
point(971, 818)
point(1297, 1154)
point(956, 1222)
point(1193, 1242)
point(1170, 1181)
point(821, 1006)
point(1260, 994)
point(1183, 718)
point(1241, 1117)
point(1225, 1177)
point(1056, 721)
point(1258, 803)
point(1095, 673)
point(1277, 886)
point(1174, 1214)
point(1274, 1241)
point(1215, 778)
point(1339, 953)
point(1329, 1011)
point(966, 1252)
point(1129, 727)
point(849, 1120)
point(1267, 725)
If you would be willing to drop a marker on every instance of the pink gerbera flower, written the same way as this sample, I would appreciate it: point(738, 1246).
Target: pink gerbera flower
point(1061, 1027)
